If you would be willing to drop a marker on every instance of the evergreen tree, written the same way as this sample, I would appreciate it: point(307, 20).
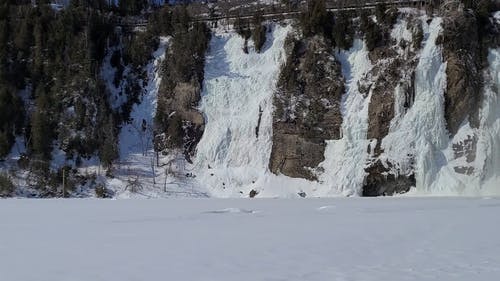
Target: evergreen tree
point(132, 7)
point(4, 37)
point(315, 20)
point(5, 144)
point(109, 147)
point(11, 118)
point(41, 128)
point(259, 32)
point(343, 31)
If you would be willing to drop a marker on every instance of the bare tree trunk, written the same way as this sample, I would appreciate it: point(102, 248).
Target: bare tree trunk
point(153, 169)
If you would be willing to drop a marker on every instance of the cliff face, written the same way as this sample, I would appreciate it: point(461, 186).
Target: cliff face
point(405, 114)
point(411, 106)
point(307, 107)
point(393, 94)
point(461, 50)
point(179, 124)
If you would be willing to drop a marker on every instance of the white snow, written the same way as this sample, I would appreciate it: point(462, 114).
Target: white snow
point(489, 139)
point(485, 179)
point(138, 161)
point(421, 132)
point(117, 93)
point(345, 159)
point(358, 239)
point(137, 164)
point(238, 87)
point(136, 137)
point(400, 32)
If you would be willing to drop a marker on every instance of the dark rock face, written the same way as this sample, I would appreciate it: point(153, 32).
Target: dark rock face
point(381, 108)
point(380, 182)
point(394, 66)
point(184, 124)
point(461, 50)
point(307, 107)
point(466, 148)
point(178, 124)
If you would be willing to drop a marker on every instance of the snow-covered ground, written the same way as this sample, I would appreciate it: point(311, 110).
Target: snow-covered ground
point(356, 239)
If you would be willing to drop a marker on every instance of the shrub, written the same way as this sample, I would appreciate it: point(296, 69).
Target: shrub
point(259, 33)
point(342, 31)
point(418, 36)
point(371, 30)
point(140, 47)
point(386, 16)
point(102, 192)
point(373, 36)
point(5, 145)
point(316, 19)
point(175, 132)
point(242, 27)
point(6, 185)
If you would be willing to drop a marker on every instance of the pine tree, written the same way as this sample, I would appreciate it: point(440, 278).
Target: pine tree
point(259, 32)
point(41, 129)
point(315, 20)
point(5, 144)
point(109, 146)
point(11, 118)
point(342, 31)
point(4, 37)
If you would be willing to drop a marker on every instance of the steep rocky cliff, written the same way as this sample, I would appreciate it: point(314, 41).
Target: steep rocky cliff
point(397, 114)
point(307, 107)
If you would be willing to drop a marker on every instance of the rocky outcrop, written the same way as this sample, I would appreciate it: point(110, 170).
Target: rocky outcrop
point(380, 182)
point(307, 107)
point(461, 51)
point(185, 124)
point(179, 125)
point(394, 67)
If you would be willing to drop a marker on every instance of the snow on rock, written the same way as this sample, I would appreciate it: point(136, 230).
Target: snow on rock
point(489, 138)
point(420, 134)
point(345, 159)
point(484, 175)
point(400, 32)
point(232, 156)
point(137, 173)
point(232, 160)
point(419, 142)
point(237, 102)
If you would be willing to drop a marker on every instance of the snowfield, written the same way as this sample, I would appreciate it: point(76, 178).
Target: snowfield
point(355, 239)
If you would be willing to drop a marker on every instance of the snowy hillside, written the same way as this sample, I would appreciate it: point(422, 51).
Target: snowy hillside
point(232, 157)
point(317, 239)
point(368, 103)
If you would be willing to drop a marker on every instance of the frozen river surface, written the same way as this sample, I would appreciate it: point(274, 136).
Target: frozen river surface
point(271, 239)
